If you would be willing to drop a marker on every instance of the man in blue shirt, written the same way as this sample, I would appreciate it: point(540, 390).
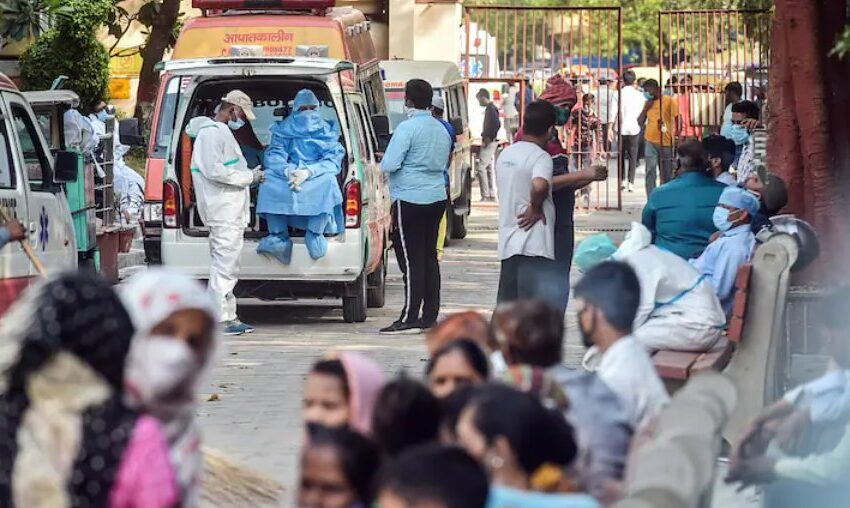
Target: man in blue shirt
point(679, 213)
point(438, 107)
point(734, 247)
point(415, 161)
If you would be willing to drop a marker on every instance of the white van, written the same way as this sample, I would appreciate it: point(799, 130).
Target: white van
point(354, 268)
point(31, 179)
point(445, 78)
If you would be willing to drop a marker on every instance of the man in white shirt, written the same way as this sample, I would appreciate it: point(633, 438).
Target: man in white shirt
point(527, 212)
point(632, 101)
point(608, 297)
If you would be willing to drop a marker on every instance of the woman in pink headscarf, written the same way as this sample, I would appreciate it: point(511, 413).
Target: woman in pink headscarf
point(341, 391)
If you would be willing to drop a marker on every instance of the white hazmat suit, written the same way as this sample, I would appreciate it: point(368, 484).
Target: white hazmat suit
point(221, 178)
point(678, 308)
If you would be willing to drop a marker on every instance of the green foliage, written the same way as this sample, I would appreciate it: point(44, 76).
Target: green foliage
point(71, 48)
point(27, 19)
point(842, 45)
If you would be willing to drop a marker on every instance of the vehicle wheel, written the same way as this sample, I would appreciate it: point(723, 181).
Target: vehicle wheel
point(459, 222)
point(354, 307)
point(377, 286)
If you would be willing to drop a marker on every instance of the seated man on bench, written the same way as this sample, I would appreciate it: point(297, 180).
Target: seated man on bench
point(678, 308)
point(721, 260)
point(301, 188)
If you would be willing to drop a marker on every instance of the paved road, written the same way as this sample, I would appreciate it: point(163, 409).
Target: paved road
point(258, 378)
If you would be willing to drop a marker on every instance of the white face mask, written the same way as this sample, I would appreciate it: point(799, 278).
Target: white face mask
point(160, 368)
point(497, 362)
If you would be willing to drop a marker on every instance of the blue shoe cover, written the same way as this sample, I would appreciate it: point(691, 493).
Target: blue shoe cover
point(317, 245)
point(274, 247)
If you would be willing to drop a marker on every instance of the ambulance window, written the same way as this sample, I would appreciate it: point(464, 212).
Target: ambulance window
point(7, 167)
point(367, 127)
point(460, 100)
point(167, 117)
point(35, 160)
point(357, 126)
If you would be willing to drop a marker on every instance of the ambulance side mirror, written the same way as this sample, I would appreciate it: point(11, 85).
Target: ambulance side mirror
point(65, 166)
point(381, 126)
point(457, 125)
point(129, 132)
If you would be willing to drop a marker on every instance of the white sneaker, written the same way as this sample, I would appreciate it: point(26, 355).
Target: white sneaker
point(630, 187)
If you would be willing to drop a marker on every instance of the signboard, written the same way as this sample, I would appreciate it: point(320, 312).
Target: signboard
point(125, 65)
point(263, 4)
point(214, 41)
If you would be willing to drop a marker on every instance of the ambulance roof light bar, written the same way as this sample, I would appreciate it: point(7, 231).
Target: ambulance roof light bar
point(289, 5)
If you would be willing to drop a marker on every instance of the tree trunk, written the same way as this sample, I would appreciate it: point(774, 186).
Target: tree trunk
point(808, 132)
point(158, 42)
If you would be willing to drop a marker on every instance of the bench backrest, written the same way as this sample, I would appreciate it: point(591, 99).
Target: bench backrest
point(739, 306)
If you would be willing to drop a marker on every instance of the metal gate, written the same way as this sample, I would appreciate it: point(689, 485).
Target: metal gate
point(701, 51)
point(583, 45)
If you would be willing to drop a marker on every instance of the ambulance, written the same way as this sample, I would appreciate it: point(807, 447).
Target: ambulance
point(32, 191)
point(446, 80)
point(354, 268)
point(268, 28)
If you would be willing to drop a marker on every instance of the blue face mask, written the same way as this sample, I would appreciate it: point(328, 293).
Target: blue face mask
point(235, 126)
point(648, 96)
point(103, 116)
point(738, 134)
point(720, 217)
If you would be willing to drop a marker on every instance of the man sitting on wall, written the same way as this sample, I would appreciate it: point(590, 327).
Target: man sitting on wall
point(301, 189)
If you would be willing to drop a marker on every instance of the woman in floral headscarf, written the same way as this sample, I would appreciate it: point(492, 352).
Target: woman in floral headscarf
point(66, 437)
point(175, 338)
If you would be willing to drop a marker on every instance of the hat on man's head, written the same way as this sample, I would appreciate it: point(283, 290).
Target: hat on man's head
point(437, 102)
point(241, 99)
point(739, 198)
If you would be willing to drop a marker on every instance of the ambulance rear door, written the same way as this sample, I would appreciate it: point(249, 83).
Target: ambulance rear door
point(48, 218)
point(15, 269)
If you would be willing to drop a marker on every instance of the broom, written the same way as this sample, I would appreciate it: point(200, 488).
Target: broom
point(228, 484)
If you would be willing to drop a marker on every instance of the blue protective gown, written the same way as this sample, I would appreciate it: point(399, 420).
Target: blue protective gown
point(303, 140)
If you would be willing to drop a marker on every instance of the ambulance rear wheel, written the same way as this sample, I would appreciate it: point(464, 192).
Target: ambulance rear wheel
point(377, 286)
point(354, 305)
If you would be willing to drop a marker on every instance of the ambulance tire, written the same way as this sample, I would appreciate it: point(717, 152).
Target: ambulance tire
point(354, 306)
point(376, 291)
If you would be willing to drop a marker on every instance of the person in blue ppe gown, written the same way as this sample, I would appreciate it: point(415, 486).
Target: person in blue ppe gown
point(301, 189)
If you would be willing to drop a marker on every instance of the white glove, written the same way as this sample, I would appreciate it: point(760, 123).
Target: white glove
point(258, 175)
point(297, 177)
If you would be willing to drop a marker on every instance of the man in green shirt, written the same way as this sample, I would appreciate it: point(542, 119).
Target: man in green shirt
point(679, 213)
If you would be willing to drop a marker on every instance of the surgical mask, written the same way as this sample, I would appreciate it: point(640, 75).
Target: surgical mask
point(236, 125)
point(160, 367)
point(648, 96)
point(720, 217)
point(739, 134)
point(498, 363)
point(103, 116)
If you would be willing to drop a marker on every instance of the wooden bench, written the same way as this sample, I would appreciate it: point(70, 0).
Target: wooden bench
point(678, 366)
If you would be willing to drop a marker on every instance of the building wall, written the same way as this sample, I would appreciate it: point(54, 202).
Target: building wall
point(424, 31)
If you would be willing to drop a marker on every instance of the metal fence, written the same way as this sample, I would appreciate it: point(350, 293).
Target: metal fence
point(584, 46)
point(701, 51)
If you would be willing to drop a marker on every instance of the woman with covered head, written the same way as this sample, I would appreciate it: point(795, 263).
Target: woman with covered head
point(175, 338)
point(66, 436)
point(301, 189)
point(341, 391)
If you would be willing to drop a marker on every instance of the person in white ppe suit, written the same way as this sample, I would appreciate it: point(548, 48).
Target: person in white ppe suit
point(221, 179)
point(678, 308)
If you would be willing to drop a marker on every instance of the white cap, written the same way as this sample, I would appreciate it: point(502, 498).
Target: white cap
point(438, 102)
point(241, 99)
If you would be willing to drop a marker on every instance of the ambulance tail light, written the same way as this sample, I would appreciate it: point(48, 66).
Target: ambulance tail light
point(291, 5)
point(170, 206)
point(353, 205)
